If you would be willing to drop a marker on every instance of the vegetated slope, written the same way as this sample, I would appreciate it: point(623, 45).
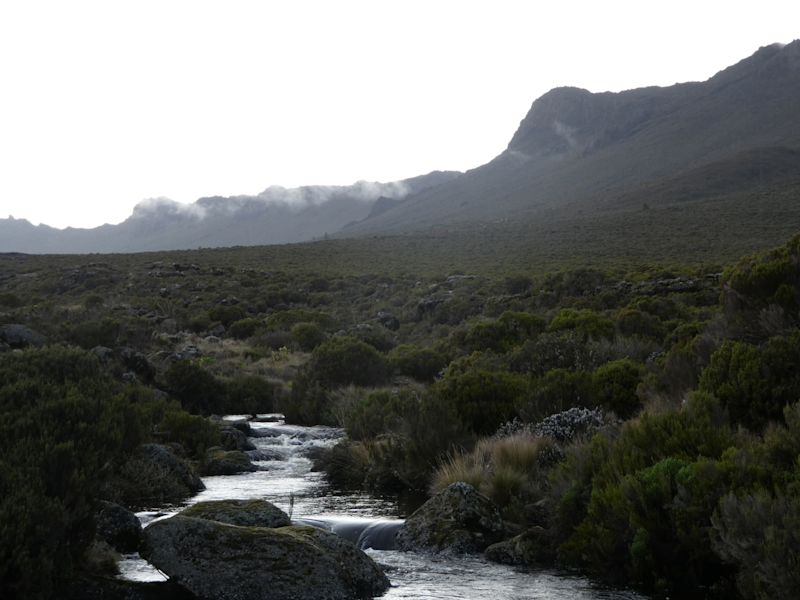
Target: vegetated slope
point(580, 151)
point(276, 216)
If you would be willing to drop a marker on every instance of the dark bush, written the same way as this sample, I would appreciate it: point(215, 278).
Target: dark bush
point(245, 328)
point(755, 383)
point(63, 426)
point(308, 335)
point(226, 314)
point(585, 322)
point(197, 390)
point(89, 334)
point(556, 391)
point(614, 387)
point(481, 399)
point(344, 360)
point(249, 394)
point(423, 364)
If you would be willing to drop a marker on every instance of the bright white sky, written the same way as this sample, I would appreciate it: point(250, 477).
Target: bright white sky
point(106, 103)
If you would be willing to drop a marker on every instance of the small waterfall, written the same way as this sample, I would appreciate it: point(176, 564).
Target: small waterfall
point(375, 534)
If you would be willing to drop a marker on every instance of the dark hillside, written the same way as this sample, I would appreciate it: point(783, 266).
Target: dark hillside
point(576, 150)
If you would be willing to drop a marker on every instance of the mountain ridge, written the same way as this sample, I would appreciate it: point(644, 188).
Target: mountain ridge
point(574, 152)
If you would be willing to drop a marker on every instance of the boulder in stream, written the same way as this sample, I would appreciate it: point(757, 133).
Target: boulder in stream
point(532, 547)
point(244, 513)
point(233, 438)
point(118, 526)
point(218, 461)
point(216, 561)
point(154, 475)
point(458, 520)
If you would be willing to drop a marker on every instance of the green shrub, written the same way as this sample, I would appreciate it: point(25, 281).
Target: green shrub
point(245, 328)
point(226, 314)
point(63, 424)
point(585, 322)
point(760, 533)
point(423, 364)
point(371, 414)
point(308, 335)
point(89, 334)
point(631, 321)
point(10, 300)
point(755, 383)
point(196, 434)
point(614, 387)
point(482, 399)
point(344, 360)
point(249, 394)
point(197, 390)
point(552, 350)
point(556, 391)
point(653, 490)
point(285, 319)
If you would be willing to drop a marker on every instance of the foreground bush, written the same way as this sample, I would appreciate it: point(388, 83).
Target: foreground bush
point(63, 422)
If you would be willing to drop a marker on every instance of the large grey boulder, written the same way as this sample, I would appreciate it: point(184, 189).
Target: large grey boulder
point(244, 513)
point(118, 526)
point(216, 561)
point(226, 462)
point(457, 520)
point(531, 547)
point(232, 438)
point(20, 336)
point(154, 475)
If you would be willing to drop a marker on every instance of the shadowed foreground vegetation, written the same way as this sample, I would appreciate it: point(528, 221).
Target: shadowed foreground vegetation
point(642, 419)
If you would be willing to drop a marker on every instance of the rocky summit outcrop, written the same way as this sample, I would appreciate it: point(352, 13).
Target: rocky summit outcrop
point(216, 561)
point(244, 513)
point(457, 520)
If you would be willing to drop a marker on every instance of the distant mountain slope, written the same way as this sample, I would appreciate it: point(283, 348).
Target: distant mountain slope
point(579, 151)
point(276, 216)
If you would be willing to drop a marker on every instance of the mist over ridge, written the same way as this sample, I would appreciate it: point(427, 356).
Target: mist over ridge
point(575, 153)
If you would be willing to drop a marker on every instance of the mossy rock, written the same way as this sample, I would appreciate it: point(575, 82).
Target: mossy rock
point(244, 513)
point(457, 520)
point(218, 561)
point(532, 547)
point(226, 462)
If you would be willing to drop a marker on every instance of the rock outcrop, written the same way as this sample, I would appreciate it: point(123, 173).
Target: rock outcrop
point(457, 520)
point(216, 561)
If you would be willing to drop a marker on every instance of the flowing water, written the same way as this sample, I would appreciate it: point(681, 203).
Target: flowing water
point(285, 478)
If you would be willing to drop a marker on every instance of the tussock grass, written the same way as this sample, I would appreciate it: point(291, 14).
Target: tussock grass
point(459, 467)
point(505, 469)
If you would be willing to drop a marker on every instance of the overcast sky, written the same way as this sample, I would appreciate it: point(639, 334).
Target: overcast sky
point(106, 103)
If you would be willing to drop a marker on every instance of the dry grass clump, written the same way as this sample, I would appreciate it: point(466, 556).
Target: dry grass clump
point(507, 469)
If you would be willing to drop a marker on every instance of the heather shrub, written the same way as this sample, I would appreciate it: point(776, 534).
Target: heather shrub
point(423, 364)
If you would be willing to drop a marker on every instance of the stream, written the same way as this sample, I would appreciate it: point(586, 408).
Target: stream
point(285, 478)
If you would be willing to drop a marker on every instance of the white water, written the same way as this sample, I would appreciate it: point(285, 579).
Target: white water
point(288, 482)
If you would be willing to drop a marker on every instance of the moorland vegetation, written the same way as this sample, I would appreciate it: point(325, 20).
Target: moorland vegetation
point(638, 422)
